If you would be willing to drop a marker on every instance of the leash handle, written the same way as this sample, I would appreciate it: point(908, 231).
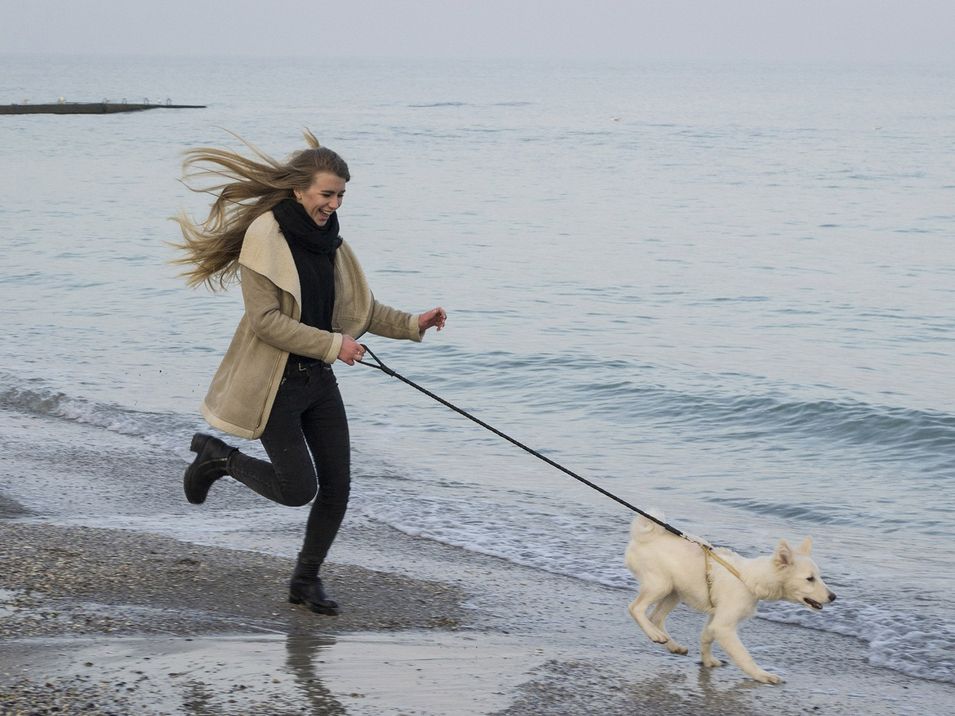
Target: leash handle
point(378, 363)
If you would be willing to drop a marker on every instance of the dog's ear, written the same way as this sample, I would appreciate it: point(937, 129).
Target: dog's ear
point(806, 547)
point(783, 556)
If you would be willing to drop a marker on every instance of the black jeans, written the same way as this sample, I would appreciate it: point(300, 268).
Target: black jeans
point(307, 422)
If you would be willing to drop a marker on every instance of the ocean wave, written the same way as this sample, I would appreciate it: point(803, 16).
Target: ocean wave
point(816, 513)
point(905, 642)
point(432, 105)
point(620, 391)
point(847, 514)
point(886, 432)
point(161, 429)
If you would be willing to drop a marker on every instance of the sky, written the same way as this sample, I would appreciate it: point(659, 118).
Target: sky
point(911, 31)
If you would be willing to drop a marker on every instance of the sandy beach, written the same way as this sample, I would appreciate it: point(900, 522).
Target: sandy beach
point(115, 622)
point(97, 620)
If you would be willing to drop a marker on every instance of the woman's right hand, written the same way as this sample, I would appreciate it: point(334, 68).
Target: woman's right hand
point(351, 350)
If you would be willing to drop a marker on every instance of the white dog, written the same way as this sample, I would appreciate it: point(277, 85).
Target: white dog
point(671, 569)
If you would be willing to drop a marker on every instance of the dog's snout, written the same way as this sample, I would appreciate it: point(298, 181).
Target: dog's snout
point(832, 596)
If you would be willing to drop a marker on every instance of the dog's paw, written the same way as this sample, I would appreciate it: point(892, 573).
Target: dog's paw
point(656, 635)
point(676, 648)
point(766, 677)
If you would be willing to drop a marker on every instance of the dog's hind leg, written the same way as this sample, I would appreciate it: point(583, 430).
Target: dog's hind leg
point(725, 634)
point(646, 597)
point(658, 618)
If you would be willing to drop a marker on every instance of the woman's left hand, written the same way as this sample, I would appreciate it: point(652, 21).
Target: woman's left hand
point(435, 318)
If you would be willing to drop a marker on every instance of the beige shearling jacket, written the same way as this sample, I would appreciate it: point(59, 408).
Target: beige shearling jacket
point(243, 389)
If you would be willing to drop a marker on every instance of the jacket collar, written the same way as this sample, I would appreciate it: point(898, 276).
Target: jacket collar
point(265, 251)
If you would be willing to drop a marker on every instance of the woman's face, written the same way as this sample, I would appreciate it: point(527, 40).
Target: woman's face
point(323, 196)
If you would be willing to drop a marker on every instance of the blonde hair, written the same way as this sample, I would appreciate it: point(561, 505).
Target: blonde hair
point(251, 188)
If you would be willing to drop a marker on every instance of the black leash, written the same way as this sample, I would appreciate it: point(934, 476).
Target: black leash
point(388, 371)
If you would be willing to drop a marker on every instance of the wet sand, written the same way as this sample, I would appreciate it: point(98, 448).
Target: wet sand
point(115, 622)
point(97, 620)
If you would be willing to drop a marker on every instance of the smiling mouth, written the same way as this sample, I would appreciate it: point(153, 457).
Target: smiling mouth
point(813, 603)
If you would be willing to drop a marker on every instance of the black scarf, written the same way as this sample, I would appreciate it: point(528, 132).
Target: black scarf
point(301, 228)
point(313, 248)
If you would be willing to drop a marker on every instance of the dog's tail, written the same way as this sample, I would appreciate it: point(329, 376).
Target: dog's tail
point(641, 527)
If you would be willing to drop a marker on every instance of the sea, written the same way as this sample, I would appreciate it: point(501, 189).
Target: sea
point(723, 291)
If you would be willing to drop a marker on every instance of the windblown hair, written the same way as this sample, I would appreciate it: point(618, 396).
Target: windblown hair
point(250, 188)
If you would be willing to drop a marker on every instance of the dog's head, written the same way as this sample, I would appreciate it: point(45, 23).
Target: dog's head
point(801, 581)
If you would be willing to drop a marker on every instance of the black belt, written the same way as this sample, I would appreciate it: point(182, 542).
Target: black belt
point(305, 366)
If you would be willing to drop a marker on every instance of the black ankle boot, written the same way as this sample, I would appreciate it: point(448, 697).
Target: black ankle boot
point(211, 463)
point(306, 588)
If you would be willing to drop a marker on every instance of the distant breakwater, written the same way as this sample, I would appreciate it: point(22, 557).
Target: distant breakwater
point(88, 107)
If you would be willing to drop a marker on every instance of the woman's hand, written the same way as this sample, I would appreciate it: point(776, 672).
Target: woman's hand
point(435, 318)
point(351, 350)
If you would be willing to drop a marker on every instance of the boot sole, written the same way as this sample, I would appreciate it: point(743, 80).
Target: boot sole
point(328, 611)
point(186, 483)
point(199, 441)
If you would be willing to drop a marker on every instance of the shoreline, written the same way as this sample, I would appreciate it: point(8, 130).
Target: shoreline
point(100, 620)
point(105, 621)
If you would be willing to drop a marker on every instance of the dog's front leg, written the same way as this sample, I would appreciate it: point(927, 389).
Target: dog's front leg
point(706, 645)
point(728, 639)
